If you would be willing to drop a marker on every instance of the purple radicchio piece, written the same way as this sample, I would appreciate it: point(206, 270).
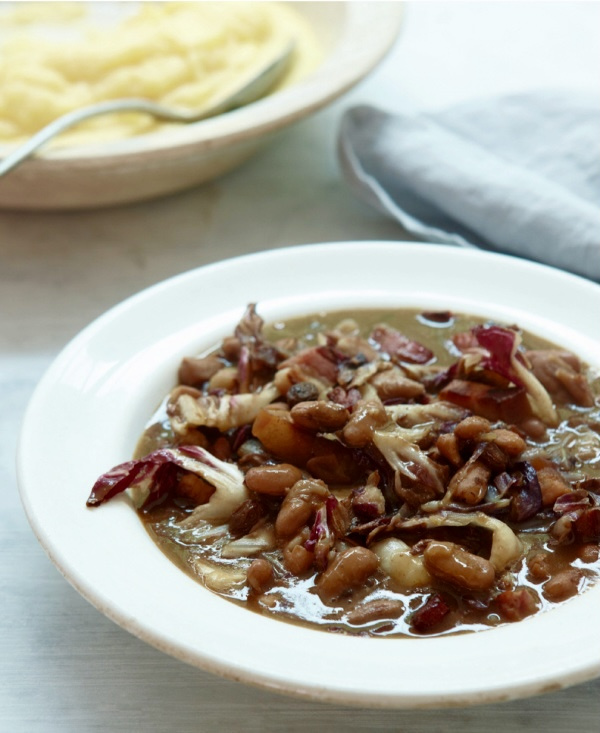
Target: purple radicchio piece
point(322, 538)
point(527, 500)
point(498, 351)
point(368, 501)
point(256, 353)
point(430, 614)
point(572, 501)
point(579, 517)
point(399, 347)
point(151, 478)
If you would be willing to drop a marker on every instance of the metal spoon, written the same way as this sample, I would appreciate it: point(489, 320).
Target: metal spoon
point(257, 87)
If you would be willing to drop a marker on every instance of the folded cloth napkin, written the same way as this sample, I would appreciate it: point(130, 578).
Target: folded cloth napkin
point(518, 174)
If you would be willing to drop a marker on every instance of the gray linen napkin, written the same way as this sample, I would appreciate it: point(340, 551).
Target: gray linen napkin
point(517, 174)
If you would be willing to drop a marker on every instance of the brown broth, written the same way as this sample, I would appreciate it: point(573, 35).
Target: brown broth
point(198, 551)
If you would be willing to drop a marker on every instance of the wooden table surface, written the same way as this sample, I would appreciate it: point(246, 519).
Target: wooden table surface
point(63, 666)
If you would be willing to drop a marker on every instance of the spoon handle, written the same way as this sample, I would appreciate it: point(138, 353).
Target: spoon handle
point(70, 119)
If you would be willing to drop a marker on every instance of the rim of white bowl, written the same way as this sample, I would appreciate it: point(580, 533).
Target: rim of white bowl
point(487, 666)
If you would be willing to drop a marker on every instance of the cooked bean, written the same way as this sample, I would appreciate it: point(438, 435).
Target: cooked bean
point(563, 585)
point(562, 530)
point(470, 483)
point(334, 467)
point(221, 448)
point(377, 610)
point(245, 517)
point(552, 484)
point(302, 392)
point(225, 378)
point(534, 428)
point(274, 428)
point(509, 441)
point(260, 575)
point(195, 488)
point(471, 427)
point(391, 384)
point(539, 565)
point(448, 447)
point(560, 373)
point(231, 348)
point(299, 504)
point(366, 417)
point(347, 571)
point(297, 559)
point(195, 371)
point(452, 563)
point(320, 416)
point(272, 480)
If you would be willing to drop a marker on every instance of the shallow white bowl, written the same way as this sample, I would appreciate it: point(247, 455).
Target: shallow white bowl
point(354, 37)
point(92, 404)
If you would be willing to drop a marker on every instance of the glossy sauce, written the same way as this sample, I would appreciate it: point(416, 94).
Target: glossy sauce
point(574, 445)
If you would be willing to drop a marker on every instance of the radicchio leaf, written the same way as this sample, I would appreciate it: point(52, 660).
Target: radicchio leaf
point(256, 353)
point(399, 448)
point(573, 501)
point(503, 482)
point(221, 411)
point(346, 398)
point(119, 478)
point(528, 499)
point(430, 614)
point(399, 347)
point(435, 382)
point(509, 405)
point(590, 484)
point(444, 317)
point(499, 343)
point(578, 517)
point(500, 354)
point(321, 538)
point(153, 477)
point(368, 501)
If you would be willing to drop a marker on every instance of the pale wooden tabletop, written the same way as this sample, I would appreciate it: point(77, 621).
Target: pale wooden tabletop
point(63, 666)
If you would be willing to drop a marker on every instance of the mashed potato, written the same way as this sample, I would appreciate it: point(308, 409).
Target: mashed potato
point(56, 57)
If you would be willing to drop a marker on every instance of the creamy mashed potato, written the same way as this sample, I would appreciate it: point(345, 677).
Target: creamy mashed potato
point(56, 57)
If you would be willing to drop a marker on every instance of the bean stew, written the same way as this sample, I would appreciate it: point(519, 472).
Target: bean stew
point(384, 473)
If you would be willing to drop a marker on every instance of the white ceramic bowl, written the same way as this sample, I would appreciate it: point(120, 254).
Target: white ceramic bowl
point(93, 402)
point(354, 37)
